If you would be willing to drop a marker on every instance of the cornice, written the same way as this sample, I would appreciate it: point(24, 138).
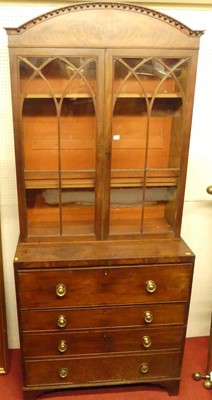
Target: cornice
point(131, 7)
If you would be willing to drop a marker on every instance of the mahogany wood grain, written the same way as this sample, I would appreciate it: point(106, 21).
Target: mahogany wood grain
point(120, 252)
point(103, 369)
point(85, 318)
point(104, 285)
point(107, 341)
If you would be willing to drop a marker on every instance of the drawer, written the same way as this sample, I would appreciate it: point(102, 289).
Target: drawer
point(104, 341)
point(104, 286)
point(103, 370)
point(103, 317)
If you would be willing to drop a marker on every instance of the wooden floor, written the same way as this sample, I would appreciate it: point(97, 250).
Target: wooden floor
point(194, 360)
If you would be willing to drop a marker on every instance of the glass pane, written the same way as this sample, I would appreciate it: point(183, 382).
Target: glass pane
point(78, 149)
point(125, 210)
point(59, 132)
point(129, 130)
point(159, 209)
point(142, 77)
point(151, 76)
point(57, 74)
point(126, 81)
point(178, 69)
point(167, 117)
point(129, 143)
point(147, 133)
point(40, 132)
point(78, 211)
point(165, 133)
point(41, 164)
point(78, 131)
point(43, 216)
point(29, 74)
point(32, 79)
point(81, 73)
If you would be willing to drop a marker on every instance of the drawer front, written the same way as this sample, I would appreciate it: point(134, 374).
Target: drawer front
point(104, 286)
point(94, 342)
point(100, 370)
point(103, 317)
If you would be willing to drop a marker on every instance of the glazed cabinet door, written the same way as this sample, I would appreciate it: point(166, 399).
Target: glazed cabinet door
point(104, 141)
point(147, 137)
point(61, 126)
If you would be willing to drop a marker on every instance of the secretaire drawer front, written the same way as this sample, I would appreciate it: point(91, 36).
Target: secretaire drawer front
point(104, 286)
point(105, 341)
point(103, 317)
point(104, 369)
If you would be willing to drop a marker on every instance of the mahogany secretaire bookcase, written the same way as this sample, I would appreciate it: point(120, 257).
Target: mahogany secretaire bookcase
point(102, 104)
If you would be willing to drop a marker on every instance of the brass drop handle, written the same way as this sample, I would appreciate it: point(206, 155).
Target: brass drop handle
point(62, 347)
point(209, 189)
point(60, 290)
point(148, 317)
point(146, 341)
point(144, 368)
point(61, 322)
point(63, 372)
point(151, 286)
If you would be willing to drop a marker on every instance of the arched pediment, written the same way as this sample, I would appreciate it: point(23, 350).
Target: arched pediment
point(104, 24)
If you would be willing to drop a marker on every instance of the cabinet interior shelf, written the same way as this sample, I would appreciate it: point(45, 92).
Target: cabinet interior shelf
point(39, 184)
point(86, 96)
point(42, 180)
point(48, 223)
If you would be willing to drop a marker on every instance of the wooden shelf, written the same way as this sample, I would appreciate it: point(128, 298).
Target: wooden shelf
point(86, 179)
point(150, 95)
point(58, 96)
point(78, 220)
point(86, 96)
point(87, 184)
